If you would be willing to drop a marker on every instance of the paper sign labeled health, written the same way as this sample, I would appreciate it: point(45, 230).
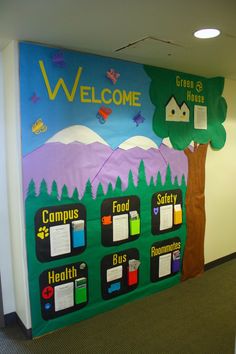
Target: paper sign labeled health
point(177, 214)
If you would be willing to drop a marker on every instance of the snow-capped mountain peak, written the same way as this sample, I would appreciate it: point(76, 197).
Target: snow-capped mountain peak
point(77, 133)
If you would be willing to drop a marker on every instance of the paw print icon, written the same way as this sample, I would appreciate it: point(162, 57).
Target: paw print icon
point(43, 232)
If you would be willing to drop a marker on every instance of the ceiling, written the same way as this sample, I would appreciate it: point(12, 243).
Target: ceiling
point(161, 30)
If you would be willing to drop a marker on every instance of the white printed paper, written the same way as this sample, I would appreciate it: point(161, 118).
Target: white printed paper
point(166, 217)
point(114, 273)
point(200, 117)
point(120, 227)
point(60, 240)
point(177, 207)
point(64, 296)
point(78, 225)
point(133, 264)
point(164, 265)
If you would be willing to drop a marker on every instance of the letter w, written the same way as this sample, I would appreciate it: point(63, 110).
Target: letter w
point(52, 94)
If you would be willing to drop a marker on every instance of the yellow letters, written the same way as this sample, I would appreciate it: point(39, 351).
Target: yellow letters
point(52, 94)
point(84, 92)
point(59, 216)
point(68, 273)
point(89, 94)
point(116, 259)
point(120, 207)
point(105, 100)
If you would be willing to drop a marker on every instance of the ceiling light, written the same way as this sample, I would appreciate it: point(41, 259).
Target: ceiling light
point(207, 33)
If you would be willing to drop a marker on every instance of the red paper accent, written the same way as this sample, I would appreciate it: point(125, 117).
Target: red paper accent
point(133, 277)
point(47, 292)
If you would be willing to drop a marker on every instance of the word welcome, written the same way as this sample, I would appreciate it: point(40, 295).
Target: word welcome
point(89, 94)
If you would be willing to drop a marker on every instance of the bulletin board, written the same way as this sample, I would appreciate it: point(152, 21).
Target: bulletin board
point(104, 194)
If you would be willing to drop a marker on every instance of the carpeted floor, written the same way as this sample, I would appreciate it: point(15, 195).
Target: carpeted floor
point(197, 316)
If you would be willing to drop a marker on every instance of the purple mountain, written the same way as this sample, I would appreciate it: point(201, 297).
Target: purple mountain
point(73, 164)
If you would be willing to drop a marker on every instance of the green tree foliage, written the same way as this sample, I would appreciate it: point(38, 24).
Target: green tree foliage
point(88, 191)
point(31, 193)
point(131, 184)
point(117, 191)
point(43, 190)
point(75, 195)
point(141, 175)
point(159, 180)
point(118, 186)
point(168, 175)
point(176, 183)
point(165, 84)
point(64, 192)
point(183, 181)
point(151, 184)
point(54, 190)
point(109, 190)
point(100, 192)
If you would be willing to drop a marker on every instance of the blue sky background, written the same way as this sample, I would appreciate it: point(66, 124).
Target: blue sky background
point(60, 113)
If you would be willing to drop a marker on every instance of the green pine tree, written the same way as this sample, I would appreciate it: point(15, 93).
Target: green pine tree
point(100, 192)
point(64, 192)
point(109, 190)
point(75, 195)
point(168, 180)
point(159, 180)
point(31, 193)
point(88, 190)
point(183, 182)
point(118, 186)
point(131, 186)
point(43, 190)
point(176, 182)
point(142, 182)
point(54, 190)
point(151, 183)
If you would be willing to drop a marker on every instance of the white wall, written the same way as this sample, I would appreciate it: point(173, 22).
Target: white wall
point(5, 251)
point(14, 176)
point(220, 238)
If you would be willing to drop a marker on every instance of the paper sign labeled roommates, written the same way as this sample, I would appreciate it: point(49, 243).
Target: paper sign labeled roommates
point(164, 265)
point(165, 259)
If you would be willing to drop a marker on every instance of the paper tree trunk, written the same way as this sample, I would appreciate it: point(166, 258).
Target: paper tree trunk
point(193, 261)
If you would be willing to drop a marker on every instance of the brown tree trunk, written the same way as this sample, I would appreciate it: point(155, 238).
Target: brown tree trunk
point(193, 260)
